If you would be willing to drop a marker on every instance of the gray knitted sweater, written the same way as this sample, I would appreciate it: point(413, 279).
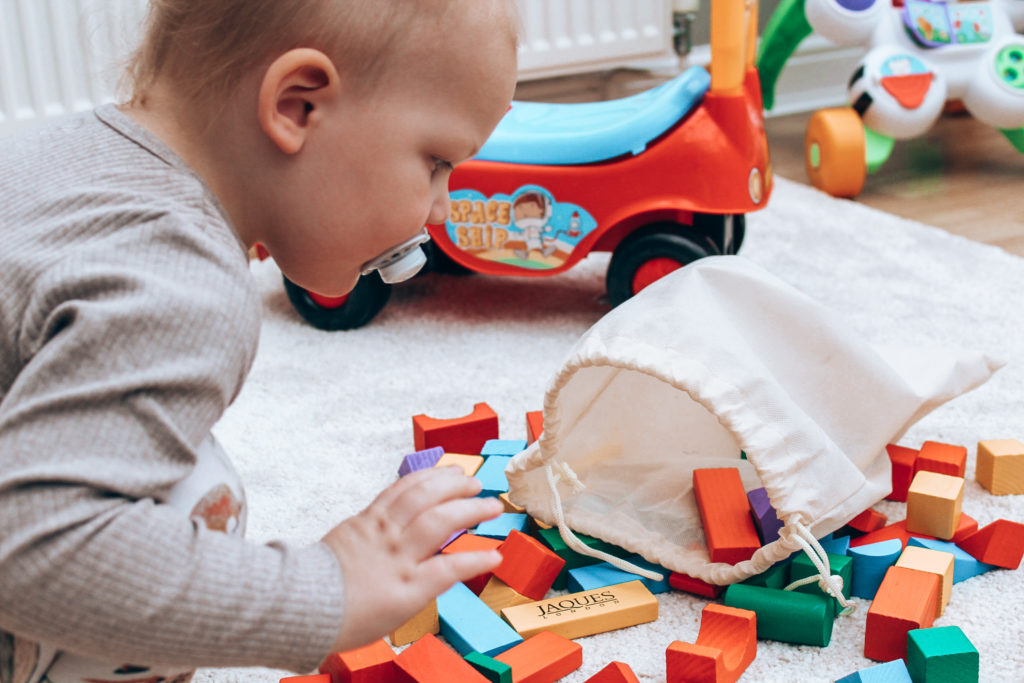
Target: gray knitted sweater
point(128, 322)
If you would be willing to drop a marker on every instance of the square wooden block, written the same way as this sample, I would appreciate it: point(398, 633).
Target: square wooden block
point(1000, 466)
point(934, 504)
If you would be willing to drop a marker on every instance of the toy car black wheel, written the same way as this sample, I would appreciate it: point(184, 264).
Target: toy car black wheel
point(440, 262)
point(726, 231)
point(341, 313)
point(644, 258)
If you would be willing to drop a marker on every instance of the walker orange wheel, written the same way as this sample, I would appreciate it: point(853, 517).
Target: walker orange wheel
point(835, 152)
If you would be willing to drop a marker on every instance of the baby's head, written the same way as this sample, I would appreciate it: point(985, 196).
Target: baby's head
point(342, 118)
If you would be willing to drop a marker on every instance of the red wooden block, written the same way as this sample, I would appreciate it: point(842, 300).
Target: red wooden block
point(528, 566)
point(544, 658)
point(457, 435)
point(899, 531)
point(315, 678)
point(725, 512)
point(690, 584)
point(534, 425)
point(902, 459)
point(374, 663)
point(428, 660)
point(1000, 543)
point(725, 647)
point(469, 543)
point(616, 672)
point(907, 599)
point(868, 521)
point(943, 458)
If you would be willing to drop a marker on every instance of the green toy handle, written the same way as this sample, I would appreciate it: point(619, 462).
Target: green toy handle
point(783, 33)
point(1015, 136)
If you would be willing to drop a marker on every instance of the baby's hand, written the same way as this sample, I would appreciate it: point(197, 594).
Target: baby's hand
point(388, 552)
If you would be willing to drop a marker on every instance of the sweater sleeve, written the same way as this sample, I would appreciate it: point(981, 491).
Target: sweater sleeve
point(126, 364)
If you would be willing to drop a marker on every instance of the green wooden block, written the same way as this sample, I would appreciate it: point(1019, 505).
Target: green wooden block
point(787, 616)
point(490, 668)
point(802, 567)
point(941, 655)
point(553, 539)
point(773, 577)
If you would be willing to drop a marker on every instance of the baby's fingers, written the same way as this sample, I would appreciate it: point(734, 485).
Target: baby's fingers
point(428, 490)
point(441, 572)
point(436, 525)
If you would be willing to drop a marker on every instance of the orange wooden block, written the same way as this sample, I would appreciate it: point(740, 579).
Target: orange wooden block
point(937, 562)
point(428, 660)
point(315, 678)
point(943, 458)
point(725, 647)
point(725, 513)
point(1000, 466)
point(457, 435)
point(544, 658)
point(534, 425)
point(903, 460)
point(528, 566)
point(907, 599)
point(616, 672)
point(868, 521)
point(1000, 543)
point(934, 504)
point(690, 584)
point(470, 543)
point(374, 663)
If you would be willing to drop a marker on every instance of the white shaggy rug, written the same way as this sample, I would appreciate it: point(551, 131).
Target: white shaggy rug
point(325, 418)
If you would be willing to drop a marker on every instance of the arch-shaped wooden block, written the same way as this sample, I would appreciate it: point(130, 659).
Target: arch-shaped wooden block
point(725, 647)
point(466, 434)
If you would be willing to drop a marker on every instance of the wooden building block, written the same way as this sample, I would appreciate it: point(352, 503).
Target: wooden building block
point(492, 476)
point(490, 668)
point(543, 658)
point(907, 599)
point(725, 647)
point(509, 505)
point(469, 625)
point(725, 513)
point(552, 538)
point(943, 458)
point(424, 622)
point(502, 525)
point(575, 615)
point(498, 595)
point(776, 576)
point(903, 461)
point(615, 672)
point(374, 663)
point(1000, 543)
point(936, 562)
point(1000, 466)
point(691, 584)
point(457, 435)
point(467, 463)
point(315, 678)
point(870, 563)
point(428, 660)
point(934, 503)
point(837, 545)
point(528, 567)
point(470, 543)
point(420, 460)
point(787, 616)
point(765, 518)
point(801, 567)
point(534, 425)
point(867, 521)
point(506, 447)
point(942, 655)
point(964, 564)
point(887, 672)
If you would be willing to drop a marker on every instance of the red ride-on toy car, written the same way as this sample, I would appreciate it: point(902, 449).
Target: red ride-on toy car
point(659, 179)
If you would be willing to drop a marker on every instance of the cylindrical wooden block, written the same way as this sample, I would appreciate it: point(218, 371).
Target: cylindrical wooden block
point(788, 616)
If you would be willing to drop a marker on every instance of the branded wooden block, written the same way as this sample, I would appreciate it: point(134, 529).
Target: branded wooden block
point(888, 672)
point(543, 658)
point(867, 521)
point(583, 614)
point(469, 625)
point(498, 595)
point(902, 459)
point(964, 564)
point(934, 503)
point(615, 672)
point(870, 563)
point(999, 466)
point(943, 458)
point(502, 525)
point(725, 513)
point(420, 460)
point(428, 660)
point(534, 425)
point(528, 567)
point(424, 622)
point(801, 567)
point(691, 584)
point(1000, 543)
point(492, 476)
point(787, 616)
point(470, 543)
point(507, 447)
point(374, 663)
point(907, 599)
point(726, 645)
point(942, 655)
point(315, 678)
point(765, 518)
point(934, 561)
point(490, 668)
point(467, 463)
point(466, 434)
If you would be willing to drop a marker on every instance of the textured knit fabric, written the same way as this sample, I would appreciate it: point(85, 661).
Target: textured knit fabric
point(128, 322)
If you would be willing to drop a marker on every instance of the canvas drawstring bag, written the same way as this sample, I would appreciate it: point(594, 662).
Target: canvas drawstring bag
point(717, 358)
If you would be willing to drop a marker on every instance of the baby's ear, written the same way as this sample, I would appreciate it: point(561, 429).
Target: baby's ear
point(294, 90)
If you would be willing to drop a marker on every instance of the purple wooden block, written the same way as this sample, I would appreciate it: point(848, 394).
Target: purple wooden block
point(420, 460)
point(768, 524)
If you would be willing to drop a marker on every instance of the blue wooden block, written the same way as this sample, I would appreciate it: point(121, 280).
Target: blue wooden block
point(890, 672)
point(492, 475)
point(605, 574)
point(469, 625)
point(765, 518)
point(870, 562)
point(506, 447)
point(500, 526)
point(964, 565)
point(836, 545)
point(420, 460)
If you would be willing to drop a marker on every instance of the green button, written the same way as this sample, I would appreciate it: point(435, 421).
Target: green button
point(1010, 66)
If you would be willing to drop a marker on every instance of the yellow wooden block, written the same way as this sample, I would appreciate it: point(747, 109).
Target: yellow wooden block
point(509, 505)
point(585, 613)
point(421, 624)
point(933, 504)
point(933, 561)
point(498, 595)
point(1000, 466)
point(469, 463)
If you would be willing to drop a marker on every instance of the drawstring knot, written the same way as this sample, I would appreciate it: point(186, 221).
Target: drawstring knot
point(831, 584)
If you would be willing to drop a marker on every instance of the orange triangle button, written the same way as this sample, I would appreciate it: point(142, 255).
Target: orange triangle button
point(908, 90)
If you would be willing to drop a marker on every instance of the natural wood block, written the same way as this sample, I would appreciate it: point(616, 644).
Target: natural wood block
point(528, 567)
point(902, 459)
point(936, 562)
point(615, 672)
point(471, 543)
point(490, 668)
point(725, 513)
point(933, 504)
point(510, 506)
point(690, 584)
point(470, 626)
point(870, 563)
point(374, 663)
point(943, 458)
point(942, 655)
point(543, 658)
point(466, 434)
point(726, 645)
point(907, 599)
point(315, 678)
point(787, 616)
point(424, 622)
point(467, 463)
point(1000, 543)
point(498, 595)
point(428, 660)
point(534, 425)
point(964, 564)
point(583, 614)
point(1000, 466)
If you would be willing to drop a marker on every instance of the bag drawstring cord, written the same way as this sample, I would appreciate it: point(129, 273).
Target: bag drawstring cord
point(830, 583)
point(564, 472)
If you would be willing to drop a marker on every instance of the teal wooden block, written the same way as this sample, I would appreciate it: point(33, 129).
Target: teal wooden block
point(469, 625)
point(786, 616)
point(492, 476)
point(500, 526)
point(942, 654)
point(605, 574)
point(552, 538)
point(870, 563)
point(490, 668)
point(890, 672)
point(507, 447)
point(965, 565)
point(836, 545)
point(802, 567)
point(773, 577)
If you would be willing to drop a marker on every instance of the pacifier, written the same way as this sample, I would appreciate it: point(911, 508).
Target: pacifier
point(400, 262)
